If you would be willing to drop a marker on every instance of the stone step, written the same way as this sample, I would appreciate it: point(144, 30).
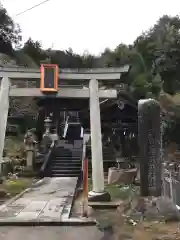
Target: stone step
point(66, 171)
point(67, 157)
point(53, 166)
point(104, 156)
point(65, 175)
point(67, 164)
point(66, 161)
point(72, 168)
point(78, 165)
point(60, 153)
point(75, 153)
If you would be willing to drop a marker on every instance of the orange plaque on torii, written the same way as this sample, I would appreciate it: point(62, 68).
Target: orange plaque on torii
point(49, 78)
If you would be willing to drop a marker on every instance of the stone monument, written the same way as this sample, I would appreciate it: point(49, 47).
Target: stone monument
point(149, 130)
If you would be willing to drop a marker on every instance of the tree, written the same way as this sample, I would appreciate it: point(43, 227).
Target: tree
point(88, 60)
point(154, 57)
point(142, 81)
point(34, 50)
point(159, 47)
point(9, 33)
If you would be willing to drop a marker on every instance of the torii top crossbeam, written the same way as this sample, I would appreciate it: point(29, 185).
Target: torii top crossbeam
point(103, 74)
point(76, 74)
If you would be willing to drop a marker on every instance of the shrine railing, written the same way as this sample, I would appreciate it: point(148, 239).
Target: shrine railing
point(85, 140)
point(44, 168)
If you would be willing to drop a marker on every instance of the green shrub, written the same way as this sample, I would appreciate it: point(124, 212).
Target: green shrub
point(15, 186)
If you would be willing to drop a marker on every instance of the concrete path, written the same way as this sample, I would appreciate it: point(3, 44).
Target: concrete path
point(50, 201)
point(52, 233)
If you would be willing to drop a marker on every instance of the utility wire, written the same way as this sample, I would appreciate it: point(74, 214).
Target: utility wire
point(37, 5)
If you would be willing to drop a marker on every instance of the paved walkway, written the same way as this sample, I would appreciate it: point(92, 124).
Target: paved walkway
point(50, 201)
point(52, 233)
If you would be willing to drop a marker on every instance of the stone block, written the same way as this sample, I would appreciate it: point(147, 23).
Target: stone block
point(125, 176)
point(103, 197)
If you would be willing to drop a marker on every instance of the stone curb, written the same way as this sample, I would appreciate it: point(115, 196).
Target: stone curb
point(104, 205)
point(40, 182)
point(73, 200)
point(68, 222)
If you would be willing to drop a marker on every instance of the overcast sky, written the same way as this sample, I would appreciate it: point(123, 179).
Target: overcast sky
point(88, 25)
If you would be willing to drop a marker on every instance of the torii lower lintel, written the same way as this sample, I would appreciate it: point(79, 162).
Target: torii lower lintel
point(62, 93)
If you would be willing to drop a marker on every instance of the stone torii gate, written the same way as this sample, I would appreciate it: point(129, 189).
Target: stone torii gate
point(8, 75)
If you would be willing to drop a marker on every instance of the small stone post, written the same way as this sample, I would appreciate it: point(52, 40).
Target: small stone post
point(29, 157)
point(29, 148)
point(149, 129)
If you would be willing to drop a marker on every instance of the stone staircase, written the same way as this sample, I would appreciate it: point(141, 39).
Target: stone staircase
point(66, 163)
point(65, 159)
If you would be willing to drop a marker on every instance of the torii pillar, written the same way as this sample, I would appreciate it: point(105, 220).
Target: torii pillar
point(97, 193)
point(4, 108)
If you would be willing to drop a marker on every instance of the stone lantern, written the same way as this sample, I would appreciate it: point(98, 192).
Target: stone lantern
point(47, 125)
point(46, 141)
